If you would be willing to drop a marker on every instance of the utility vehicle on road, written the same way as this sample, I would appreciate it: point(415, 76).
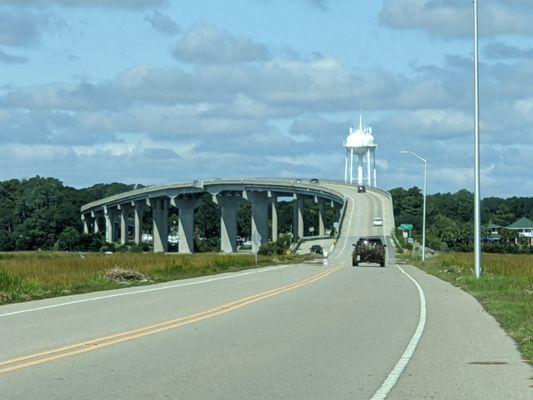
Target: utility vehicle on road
point(369, 249)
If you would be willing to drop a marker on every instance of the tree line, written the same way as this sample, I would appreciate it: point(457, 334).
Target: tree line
point(450, 218)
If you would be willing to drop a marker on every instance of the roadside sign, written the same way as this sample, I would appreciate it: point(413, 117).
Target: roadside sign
point(406, 227)
point(410, 240)
point(405, 235)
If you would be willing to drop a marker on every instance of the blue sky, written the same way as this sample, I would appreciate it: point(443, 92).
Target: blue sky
point(156, 91)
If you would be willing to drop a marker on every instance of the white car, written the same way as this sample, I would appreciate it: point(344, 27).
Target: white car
point(378, 221)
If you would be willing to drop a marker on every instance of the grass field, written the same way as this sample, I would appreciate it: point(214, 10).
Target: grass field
point(35, 275)
point(505, 290)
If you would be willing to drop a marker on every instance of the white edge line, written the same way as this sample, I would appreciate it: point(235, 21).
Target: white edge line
point(398, 369)
point(109, 296)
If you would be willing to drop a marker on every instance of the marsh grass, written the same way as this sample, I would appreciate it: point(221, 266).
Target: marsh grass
point(505, 289)
point(34, 275)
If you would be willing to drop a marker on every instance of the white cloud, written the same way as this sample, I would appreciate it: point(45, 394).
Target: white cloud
point(207, 44)
point(453, 18)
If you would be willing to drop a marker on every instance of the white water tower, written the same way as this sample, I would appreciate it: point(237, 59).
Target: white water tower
point(360, 142)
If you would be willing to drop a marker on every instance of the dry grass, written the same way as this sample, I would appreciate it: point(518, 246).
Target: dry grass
point(31, 275)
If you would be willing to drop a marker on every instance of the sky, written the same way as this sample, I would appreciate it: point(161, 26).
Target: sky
point(161, 91)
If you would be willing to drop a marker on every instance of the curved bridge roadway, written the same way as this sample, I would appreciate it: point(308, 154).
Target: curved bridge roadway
point(292, 332)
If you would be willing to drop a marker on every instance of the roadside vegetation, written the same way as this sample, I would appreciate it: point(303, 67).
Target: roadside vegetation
point(505, 289)
point(35, 275)
point(450, 219)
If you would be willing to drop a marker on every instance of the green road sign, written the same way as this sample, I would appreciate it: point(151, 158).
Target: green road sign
point(406, 227)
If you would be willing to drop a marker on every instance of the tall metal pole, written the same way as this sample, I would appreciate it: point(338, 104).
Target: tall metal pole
point(424, 203)
point(424, 212)
point(477, 195)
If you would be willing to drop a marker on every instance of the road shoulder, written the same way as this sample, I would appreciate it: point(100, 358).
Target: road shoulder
point(459, 332)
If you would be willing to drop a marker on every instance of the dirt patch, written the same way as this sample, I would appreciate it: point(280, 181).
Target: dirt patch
point(125, 276)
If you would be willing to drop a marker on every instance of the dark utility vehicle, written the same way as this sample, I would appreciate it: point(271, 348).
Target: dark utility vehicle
point(369, 249)
point(361, 189)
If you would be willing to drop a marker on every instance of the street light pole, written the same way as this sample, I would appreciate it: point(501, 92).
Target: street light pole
point(477, 201)
point(424, 203)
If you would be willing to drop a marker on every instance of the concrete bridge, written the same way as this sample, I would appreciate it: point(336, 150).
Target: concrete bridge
point(116, 211)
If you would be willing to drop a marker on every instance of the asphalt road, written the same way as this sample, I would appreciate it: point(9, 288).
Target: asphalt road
point(307, 331)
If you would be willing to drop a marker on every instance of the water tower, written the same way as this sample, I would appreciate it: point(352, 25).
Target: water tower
point(360, 142)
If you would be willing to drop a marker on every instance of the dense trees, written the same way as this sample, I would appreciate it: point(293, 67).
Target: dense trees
point(35, 213)
point(450, 215)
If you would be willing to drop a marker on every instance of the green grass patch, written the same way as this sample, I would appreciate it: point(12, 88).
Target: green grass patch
point(505, 289)
point(36, 275)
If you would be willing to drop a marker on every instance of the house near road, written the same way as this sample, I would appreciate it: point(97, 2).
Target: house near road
point(524, 227)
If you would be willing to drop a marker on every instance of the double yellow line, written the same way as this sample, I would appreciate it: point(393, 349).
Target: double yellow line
point(31, 360)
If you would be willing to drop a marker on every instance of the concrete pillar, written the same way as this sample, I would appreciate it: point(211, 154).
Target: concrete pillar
point(124, 225)
point(260, 204)
point(160, 220)
point(298, 216)
point(229, 205)
point(186, 207)
point(274, 209)
point(96, 224)
point(138, 212)
point(321, 217)
point(108, 215)
point(85, 224)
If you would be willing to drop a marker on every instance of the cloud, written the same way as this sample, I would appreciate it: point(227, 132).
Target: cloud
point(124, 4)
point(207, 44)
point(21, 28)
point(453, 18)
point(11, 59)
point(322, 5)
point(162, 23)
point(502, 51)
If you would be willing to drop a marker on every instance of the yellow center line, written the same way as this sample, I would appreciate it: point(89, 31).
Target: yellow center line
point(110, 340)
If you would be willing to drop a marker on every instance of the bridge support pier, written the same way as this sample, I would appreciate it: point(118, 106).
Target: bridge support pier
point(138, 211)
point(274, 208)
point(298, 216)
point(160, 221)
point(124, 224)
point(85, 224)
point(110, 225)
point(260, 204)
point(229, 205)
point(186, 207)
point(321, 217)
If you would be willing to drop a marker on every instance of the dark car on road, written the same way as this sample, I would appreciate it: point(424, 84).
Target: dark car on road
point(316, 249)
point(361, 189)
point(369, 249)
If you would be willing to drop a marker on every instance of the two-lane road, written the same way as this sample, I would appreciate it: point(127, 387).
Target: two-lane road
point(292, 332)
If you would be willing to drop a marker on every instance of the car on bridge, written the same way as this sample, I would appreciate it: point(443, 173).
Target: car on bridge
point(369, 249)
point(316, 249)
point(378, 221)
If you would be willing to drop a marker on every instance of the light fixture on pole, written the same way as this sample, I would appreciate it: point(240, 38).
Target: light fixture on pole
point(424, 203)
point(477, 196)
